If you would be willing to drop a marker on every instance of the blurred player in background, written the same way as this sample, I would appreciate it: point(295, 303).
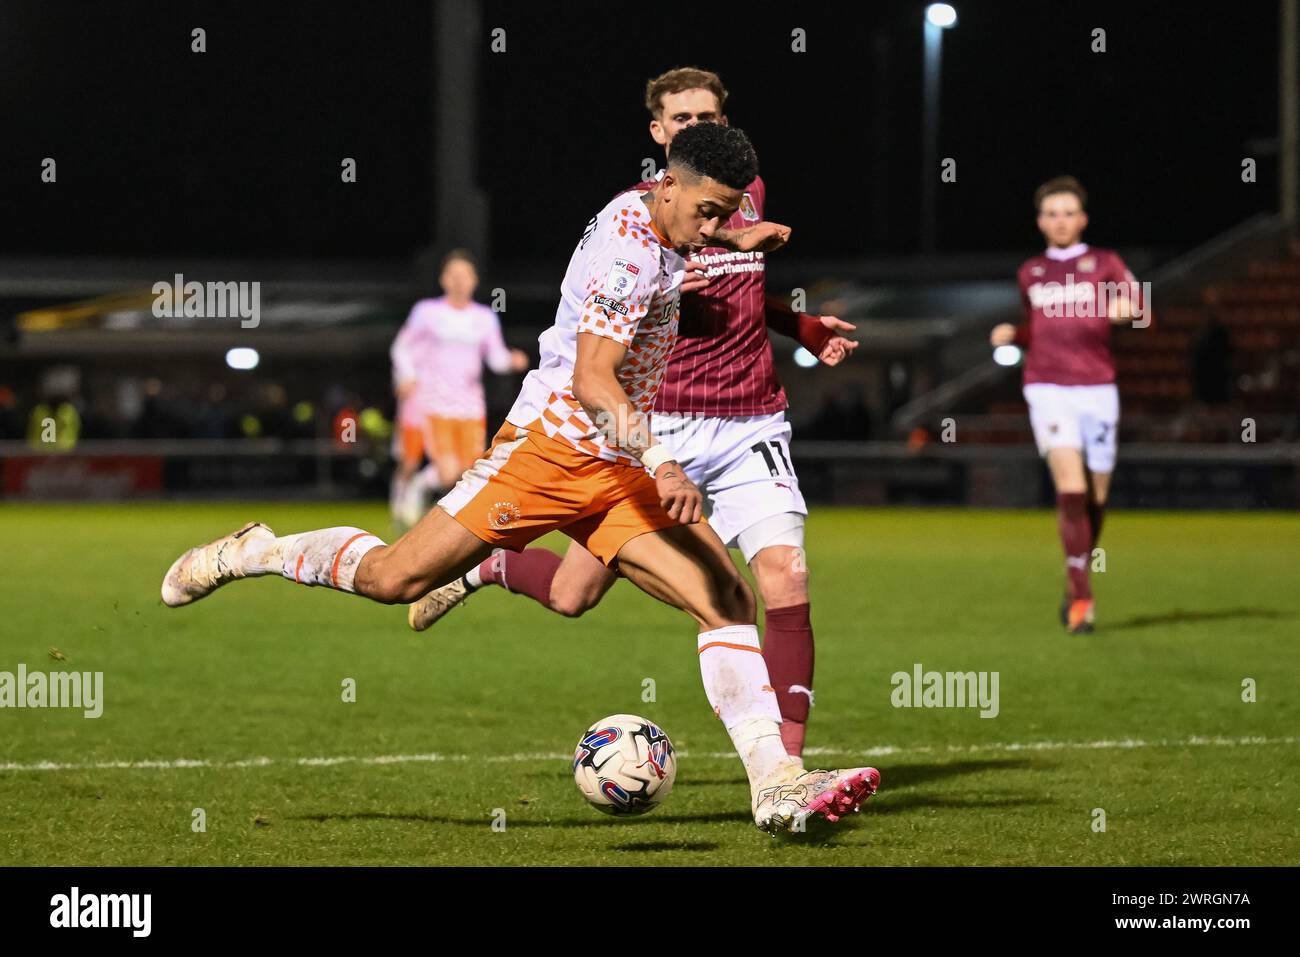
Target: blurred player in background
point(722, 411)
point(1073, 293)
point(438, 359)
point(575, 455)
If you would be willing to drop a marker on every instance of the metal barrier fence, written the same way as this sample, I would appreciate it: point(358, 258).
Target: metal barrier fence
point(849, 473)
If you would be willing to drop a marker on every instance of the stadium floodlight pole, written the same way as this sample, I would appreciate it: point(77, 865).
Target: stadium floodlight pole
point(1288, 101)
point(938, 17)
point(460, 208)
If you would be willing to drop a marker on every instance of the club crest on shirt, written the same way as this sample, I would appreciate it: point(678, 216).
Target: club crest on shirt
point(1037, 271)
point(622, 278)
point(1088, 264)
point(503, 514)
point(747, 209)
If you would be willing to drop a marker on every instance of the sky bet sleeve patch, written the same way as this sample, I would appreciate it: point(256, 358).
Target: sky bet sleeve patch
point(622, 278)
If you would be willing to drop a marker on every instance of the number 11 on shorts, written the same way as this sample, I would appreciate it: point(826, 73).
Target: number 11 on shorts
point(773, 463)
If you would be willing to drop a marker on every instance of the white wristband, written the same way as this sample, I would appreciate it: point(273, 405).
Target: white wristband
point(654, 457)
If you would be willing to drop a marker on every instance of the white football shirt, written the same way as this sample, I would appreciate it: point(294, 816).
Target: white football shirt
point(624, 284)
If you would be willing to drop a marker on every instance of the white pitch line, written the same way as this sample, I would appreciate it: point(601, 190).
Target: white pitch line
point(1121, 744)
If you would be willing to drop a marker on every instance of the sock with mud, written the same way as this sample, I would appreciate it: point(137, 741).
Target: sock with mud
point(740, 691)
point(328, 556)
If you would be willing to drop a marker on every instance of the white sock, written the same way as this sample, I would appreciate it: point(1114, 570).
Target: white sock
point(397, 496)
point(329, 556)
point(740, 691)
point(429, 478)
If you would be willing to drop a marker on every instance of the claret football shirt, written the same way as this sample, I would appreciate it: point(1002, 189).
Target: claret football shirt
point(722, 363)
point(1066, 332)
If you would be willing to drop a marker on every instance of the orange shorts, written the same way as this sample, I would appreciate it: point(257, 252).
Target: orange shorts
point(528, 484)
point(464, 439)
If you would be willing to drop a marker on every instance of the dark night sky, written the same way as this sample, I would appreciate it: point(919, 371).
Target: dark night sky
point(237, 151)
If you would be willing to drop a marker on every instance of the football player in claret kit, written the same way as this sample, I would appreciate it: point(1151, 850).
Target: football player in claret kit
point(438, 359)
point(573, 456)
point(721, 410)
point(1073, 294)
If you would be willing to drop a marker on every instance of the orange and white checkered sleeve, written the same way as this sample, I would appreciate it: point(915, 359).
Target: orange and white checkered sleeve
point(619, 291)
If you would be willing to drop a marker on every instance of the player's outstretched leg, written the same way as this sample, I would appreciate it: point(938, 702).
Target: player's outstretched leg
point(205, 568)
point(687, 566)
point(568, 586)
point(344, 558)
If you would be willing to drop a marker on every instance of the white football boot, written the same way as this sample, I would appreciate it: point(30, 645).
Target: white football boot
point(437, 603)
point(792, 795)
point(204, 569)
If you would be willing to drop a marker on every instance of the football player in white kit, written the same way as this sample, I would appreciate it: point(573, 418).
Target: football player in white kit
point(573, 456)
point(721, 409)
point(438, 358)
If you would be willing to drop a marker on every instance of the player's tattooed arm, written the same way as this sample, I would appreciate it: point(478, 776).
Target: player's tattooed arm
point(678, 495)
point(762, 237)
point(596, 387)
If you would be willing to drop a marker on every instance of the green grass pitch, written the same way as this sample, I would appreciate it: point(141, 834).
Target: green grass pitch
point(1143, 720)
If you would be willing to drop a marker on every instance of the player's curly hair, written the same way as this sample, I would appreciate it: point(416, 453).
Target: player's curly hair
point(721, 153)
point(1061, 184)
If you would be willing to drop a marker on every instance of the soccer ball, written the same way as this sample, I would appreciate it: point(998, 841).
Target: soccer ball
point(624, 765)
